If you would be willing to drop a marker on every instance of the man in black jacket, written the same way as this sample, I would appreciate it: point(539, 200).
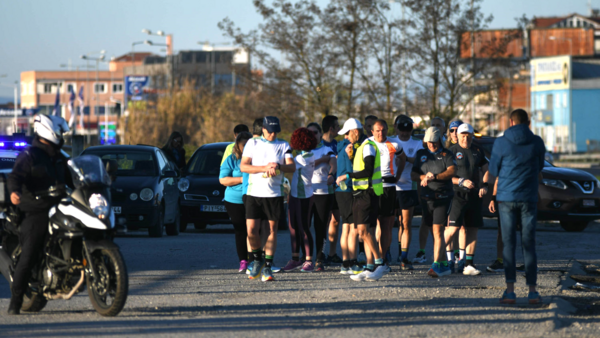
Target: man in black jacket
point(36, 169)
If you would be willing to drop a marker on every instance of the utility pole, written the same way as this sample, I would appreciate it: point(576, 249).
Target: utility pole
point(473, 64)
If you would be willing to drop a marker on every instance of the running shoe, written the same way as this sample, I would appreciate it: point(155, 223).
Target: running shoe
point(356, 269)
point(378, 273)
point(292, 265)
point(438, 270)
point(319, 266)
point(362, 258)
point(451, 266)
point(257, 268)
point(275, 269)
point(346, 271)
point(406, 265)
point(267, 274)
point(456, 257)
point(496, 267)
point(460, 267)
point(335, 259)
point(249, 268)
point(420, 259)
point(243, 265)
point(534, 298)
point(471, 270)
point(361, 276)
point(307, 267)
point(508, 298)
point(387, 269)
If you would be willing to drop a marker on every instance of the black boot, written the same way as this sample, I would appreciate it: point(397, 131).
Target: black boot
point(15, 305)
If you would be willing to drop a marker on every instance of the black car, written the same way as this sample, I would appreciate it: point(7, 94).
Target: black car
point(145, 194)
point(201, 194)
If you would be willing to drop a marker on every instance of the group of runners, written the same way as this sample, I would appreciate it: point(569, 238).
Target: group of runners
point(365, 182)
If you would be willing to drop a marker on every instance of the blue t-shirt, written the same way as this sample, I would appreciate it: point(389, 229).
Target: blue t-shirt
point(231, 168)
point(332, 145)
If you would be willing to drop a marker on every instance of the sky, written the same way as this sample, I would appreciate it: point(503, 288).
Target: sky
point(42, 35)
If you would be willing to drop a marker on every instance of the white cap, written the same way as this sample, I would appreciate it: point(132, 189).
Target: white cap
point(432, 134)
point(350, 124)
point(465, 128)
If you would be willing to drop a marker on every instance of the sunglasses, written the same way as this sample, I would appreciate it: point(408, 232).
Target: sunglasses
point(453, 130)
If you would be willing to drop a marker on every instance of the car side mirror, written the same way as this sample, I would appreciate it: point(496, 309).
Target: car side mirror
point(169, 173)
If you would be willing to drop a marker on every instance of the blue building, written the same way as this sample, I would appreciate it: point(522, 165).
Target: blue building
point(565, 102)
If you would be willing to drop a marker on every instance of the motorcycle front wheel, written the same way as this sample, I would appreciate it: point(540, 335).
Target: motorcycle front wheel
point(108, 292)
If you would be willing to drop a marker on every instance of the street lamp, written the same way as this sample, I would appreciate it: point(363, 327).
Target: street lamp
point(554, 38)
point(87, 58)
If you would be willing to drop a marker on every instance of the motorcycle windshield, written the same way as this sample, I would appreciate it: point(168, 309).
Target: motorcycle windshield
point(88, 170)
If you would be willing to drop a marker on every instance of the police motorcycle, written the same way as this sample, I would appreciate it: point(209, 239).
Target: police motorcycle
point(80, 244)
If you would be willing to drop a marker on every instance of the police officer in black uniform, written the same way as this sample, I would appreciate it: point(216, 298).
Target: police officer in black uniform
point(433, 169)
point(466, 210)
point(36, 169)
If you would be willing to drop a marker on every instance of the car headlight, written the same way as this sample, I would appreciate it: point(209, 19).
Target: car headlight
point(554, 183)
point(133, 196)
point(183, 185)
point(146, 194)
point(99, 206)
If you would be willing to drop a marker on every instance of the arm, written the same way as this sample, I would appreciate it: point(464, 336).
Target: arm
point(492, 206)
point(332, 170)
point(447, 174)
point(323, 159)
point(289, 166)
point(400, 163)
point(21, 171)
point(368, 171)
point(247, 167)
point(231, 181)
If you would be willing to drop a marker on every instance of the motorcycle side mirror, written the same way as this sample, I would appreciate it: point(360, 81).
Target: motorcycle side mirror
point(39, 171)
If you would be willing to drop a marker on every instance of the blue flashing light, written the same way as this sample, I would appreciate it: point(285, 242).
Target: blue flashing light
point(1, 144)
point(20, 144)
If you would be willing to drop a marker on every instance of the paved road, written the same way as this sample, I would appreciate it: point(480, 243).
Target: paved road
point(189, 286)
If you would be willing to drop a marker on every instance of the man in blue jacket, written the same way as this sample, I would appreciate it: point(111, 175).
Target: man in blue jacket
point(517, 162)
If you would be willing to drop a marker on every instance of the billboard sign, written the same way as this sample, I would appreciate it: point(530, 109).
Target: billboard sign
point(134, 87)
point(111, 129)
point(551, 73)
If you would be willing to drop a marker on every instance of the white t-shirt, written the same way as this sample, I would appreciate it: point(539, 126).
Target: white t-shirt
point(302, 178)
point(388, 167)
point(410, 148)
point(263, 152)
point(319, 179)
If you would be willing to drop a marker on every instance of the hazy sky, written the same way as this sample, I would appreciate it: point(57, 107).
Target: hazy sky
point(42, 34)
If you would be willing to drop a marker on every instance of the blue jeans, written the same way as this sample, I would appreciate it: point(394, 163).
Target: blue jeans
point(510, 213)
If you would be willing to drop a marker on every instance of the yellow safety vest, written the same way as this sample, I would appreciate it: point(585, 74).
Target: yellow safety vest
point(374, 181)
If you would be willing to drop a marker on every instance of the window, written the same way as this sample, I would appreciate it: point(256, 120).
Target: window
point(200, 57)
point(24, 89)
point(49, 87)
point(186, 57)
point(117, 88)
point(162, 163)
point(71, 87)
point(99, 88)
point(564, 100)
point(206, 162)
point(130, 163)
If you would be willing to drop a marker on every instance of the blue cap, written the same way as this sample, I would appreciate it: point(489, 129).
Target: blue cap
point(271, 124)
point(455, 124)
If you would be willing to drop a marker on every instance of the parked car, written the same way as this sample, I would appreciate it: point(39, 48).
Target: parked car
point(144, 194)
point(570, 196)
point(201, 194)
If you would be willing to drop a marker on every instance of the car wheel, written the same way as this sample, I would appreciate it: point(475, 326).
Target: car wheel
point(573, 226)
point(172, 229)
point(200, 225)
point(156, 230)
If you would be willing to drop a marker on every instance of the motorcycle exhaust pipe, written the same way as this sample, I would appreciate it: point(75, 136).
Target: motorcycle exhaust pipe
point(70, 294)
point(5, 264)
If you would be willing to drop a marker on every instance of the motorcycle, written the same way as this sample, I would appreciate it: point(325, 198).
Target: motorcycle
point(80, 245)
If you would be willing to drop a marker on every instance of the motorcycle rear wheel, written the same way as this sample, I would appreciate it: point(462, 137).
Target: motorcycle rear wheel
point(33, 302)
point(108, 293)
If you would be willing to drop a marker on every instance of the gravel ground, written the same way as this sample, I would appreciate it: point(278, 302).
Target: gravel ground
point(189, 286)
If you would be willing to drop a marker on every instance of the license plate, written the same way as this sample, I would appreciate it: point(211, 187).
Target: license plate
point(116, 210)
point(213, 208)
point(589, 203)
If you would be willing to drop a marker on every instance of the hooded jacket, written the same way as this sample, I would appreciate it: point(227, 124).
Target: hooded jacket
point(344, 164)
point(517, 159)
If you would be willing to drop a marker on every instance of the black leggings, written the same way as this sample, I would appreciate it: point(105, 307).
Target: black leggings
point(299, 210)
point(237, 214)
point(32, 236)
point(322, 205)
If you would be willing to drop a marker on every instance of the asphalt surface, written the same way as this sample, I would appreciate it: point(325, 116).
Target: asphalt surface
point(189, 286)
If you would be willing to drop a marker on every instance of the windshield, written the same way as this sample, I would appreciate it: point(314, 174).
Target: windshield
point(88, 170)
point(206, 162)
point(131, 163)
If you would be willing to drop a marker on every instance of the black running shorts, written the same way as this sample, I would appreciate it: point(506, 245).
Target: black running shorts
point(387, 202)
point(344, 200)
point(365, 207)
point(407, 199)
point(466, 210)
point(270, 208)
point(435, 211)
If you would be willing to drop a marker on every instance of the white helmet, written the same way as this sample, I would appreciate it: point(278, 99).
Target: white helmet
point(50, 127)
